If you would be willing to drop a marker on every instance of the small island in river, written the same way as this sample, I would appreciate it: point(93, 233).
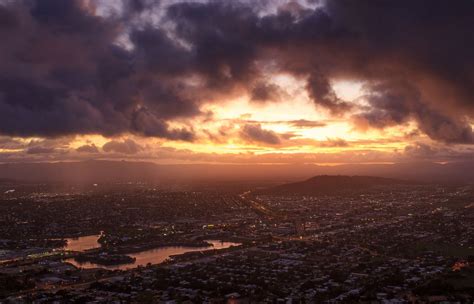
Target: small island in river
point(105, 259)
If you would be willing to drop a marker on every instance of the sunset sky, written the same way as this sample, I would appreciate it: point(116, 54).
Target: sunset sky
point(270, 81)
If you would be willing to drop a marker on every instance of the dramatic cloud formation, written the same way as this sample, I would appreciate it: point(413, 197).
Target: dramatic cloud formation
point(429, 77)
point(159, 69)
point(255, 133)
point(63, 73)
point(392, 105)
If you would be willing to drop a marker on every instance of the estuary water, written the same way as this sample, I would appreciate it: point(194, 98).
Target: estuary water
point(142, 258)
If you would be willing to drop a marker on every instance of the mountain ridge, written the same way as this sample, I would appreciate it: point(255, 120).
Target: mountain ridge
point(333, 184)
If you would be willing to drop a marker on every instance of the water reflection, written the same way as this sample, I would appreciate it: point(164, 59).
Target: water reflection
point(82, 243)
point(155, 256)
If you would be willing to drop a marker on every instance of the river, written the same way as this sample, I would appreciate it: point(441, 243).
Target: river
point(82, 243)
point(142, 258)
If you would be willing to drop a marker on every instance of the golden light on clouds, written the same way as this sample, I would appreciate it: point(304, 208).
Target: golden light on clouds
point(215, 81)
point(97, 140)
point(300, 126)
point(241, 127)
point(296, 126)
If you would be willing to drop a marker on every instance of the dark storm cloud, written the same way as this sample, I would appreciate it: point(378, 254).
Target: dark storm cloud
point(424, 43)
point(444, 128)
point(255, 133)
point(263, 92)
point(321, 92)
point(64, 72)
point(149, 125)
point(218, 33)
point(136, 6)
point(395, 103)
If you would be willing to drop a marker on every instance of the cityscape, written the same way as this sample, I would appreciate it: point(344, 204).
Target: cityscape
point(395, 243)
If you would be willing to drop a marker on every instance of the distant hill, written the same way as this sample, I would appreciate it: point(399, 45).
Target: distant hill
point(332, 184)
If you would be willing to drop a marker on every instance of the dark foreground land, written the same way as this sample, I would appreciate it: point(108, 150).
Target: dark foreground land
point(394, 243)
